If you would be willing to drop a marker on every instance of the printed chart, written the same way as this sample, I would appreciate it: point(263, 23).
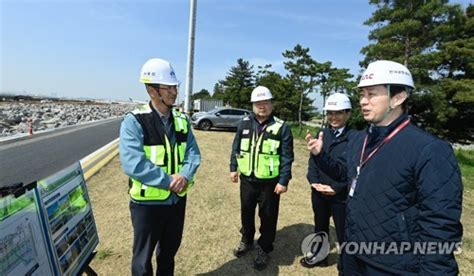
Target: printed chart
point(69, 218)
point(23, 245)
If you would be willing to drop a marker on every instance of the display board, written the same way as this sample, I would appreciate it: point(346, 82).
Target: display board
point(24, 248)
point(69, 219)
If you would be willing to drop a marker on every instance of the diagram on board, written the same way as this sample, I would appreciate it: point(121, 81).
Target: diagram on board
point(17, 248)
point(23, 248)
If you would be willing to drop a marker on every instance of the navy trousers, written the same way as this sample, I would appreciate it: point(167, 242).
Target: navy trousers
point(263, 195)
point(153, 225)
point(323, 208)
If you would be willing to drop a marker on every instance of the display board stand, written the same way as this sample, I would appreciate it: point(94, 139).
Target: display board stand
point(86, 268)
point(47, 227)
point(24, 247)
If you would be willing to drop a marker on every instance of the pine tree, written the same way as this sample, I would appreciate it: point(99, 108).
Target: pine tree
point(202, 94)
point(285, 97)
point(218, 92)
point(238, 84)
point(434, 40)
point(453, 97)
point(303, 73)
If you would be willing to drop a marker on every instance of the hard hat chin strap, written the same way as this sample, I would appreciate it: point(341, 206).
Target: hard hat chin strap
point(389, 109)
point(161, 98)
point(389, 98)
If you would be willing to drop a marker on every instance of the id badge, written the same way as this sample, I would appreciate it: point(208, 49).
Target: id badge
point(353, 186)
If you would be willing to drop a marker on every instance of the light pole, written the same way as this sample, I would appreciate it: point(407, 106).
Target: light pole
point(190, 67)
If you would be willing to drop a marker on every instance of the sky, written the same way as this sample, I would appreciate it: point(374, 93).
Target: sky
point(95, 48)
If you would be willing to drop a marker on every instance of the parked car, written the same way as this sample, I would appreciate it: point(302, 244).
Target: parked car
point(219, 118)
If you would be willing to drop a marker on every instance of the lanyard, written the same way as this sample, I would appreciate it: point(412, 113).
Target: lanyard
point(257, 133)
point(363, 161)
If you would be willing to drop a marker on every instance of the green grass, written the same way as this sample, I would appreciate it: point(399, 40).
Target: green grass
point(104, 253)
point(466, 163)
point(467, 243)
point(295, 130)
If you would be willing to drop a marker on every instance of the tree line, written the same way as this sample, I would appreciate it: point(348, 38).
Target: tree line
point(434, 39)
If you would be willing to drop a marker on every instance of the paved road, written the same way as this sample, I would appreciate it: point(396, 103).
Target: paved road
point(38, 156)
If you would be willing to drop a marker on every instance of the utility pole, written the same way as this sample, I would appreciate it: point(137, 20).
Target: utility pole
point(189, 77)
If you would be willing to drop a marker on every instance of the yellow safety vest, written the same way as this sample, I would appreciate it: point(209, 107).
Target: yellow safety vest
point(158, 150)
point(259, 154)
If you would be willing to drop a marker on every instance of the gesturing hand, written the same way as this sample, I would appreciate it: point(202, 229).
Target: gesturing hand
point(314, 145)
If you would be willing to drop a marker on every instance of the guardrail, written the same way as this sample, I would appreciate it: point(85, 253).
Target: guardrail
point(92, 163)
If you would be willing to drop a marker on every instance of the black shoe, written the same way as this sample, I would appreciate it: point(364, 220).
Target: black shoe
point(261, 260)
point(304, 262)
point(242, 249)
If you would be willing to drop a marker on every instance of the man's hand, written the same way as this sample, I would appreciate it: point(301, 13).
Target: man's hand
point(234, 177)
point(178, 183)
point(323, 188)
point(314, 145)
point(280, 189)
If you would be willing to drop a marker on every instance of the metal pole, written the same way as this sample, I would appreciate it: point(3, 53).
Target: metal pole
point(189, 77)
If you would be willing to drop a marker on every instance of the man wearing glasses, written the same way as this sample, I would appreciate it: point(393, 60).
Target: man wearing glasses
point(159, 154)
point(262, 154)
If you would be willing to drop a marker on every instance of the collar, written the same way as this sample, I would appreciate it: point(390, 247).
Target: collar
point(340, 130)
point(383, 131)
point(163, 116)
point(266, 122)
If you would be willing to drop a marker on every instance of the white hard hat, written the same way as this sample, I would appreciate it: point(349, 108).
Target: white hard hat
point(337, 101)
point(260, 93)
point(386, 72)
point(160, 71)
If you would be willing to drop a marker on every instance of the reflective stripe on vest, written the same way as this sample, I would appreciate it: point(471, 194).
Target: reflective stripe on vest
point(165, 158)
point(259, 155)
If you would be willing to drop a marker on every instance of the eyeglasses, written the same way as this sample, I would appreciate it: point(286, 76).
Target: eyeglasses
point(264, 102)
point(335, 113)
point(165, 87)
